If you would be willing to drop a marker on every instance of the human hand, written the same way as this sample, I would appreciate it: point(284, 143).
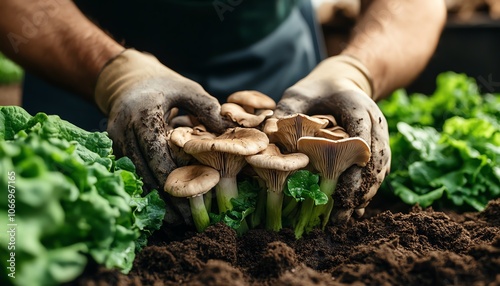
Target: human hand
point(340, 86)
point(138, 93)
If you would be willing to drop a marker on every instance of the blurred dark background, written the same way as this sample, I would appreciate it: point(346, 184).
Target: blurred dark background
point(469, 44)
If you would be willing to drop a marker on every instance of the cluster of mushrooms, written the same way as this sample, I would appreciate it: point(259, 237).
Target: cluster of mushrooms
point(274, 148)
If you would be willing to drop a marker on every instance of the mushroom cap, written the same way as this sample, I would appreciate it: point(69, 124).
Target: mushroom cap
point(237, 114)
point(270, 126)
point(274, 167)
point(191, 181)
point(271, 158)
point(253, 99)
point(331, 120)
point(292, 127)
point(181, 135)
point(238, 140)
point(332, 157)
point(333, 134)
point(226, 152)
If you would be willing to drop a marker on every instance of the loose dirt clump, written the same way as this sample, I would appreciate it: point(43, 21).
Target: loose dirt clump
point(415, 247)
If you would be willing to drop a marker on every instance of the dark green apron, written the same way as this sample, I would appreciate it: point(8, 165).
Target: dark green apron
point(225, 45)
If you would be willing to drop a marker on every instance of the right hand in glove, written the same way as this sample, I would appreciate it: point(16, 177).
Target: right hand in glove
point(137, 93)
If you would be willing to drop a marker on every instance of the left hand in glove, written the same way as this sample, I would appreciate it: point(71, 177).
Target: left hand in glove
point(341, 86)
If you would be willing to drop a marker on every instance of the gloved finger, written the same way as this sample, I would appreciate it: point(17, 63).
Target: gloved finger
point(125, 144)
point(203, 106)
point(359, 212)
point(341, 215)
point(152, 139)
point(293, 101)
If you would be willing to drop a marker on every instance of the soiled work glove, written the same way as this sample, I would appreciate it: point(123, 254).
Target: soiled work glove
point(341, 86)
point(137, 93)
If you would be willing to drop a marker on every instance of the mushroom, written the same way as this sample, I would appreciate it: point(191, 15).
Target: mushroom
point(237, 114)
point(292, 127)
point(333, 134)
point(332, 122)
point(179, 136)
point(251, 100)
point(331, 158)
point(226, 153)
point(192, 182)
point(274, 167)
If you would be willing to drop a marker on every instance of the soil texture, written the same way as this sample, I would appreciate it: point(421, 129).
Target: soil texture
point(412, 247)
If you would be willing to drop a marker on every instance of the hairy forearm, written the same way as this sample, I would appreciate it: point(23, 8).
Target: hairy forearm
point(53, 39)
point(395, 40)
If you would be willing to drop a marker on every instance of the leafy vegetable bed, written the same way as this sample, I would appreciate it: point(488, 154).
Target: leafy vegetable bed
point(65, 201)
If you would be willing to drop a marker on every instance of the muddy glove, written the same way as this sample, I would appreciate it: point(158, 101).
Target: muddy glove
point(341, 86)
point(137, 93)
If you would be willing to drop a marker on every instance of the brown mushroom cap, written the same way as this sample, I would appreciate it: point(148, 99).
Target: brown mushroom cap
point(226, 152)
point(332, 157)
point(292, 127)
point(271, 158)
point(336, 134)
point(331, 120)
point(191, 181)
point(237, 114)
point(181, 135)
point(274, 167)
point(251, 100)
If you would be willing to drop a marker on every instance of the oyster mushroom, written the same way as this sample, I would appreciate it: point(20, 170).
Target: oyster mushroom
point(192, 182)
point(237, 114)
point(251, 100)
point(226, 153)
point(333, 134)
point(292, 127)
point(331, 158)
point(274, 167)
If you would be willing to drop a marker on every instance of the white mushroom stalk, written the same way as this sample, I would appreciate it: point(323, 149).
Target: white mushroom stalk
point(274, 167)
point(331, 158)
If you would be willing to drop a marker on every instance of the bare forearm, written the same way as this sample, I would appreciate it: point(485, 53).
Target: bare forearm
point(395, 39)
point(55, 40)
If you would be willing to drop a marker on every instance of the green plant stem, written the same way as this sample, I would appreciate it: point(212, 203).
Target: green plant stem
point(199, 213)
point(273, 210)
point(327, 213)
point(305, 214)
point(292, 204)
point(260, 209)
point(327, 186)
point(225, 190)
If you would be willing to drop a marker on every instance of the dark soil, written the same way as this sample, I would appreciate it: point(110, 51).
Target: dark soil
point(413, 247)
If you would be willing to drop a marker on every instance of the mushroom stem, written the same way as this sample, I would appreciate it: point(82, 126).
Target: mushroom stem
point(199, 213)
point(207, 198)
point(273, 210)
point(304, 216)
point(225, 190)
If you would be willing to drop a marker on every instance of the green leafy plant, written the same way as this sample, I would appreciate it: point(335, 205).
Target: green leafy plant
point(243, 206)
point(303, 186)
point(445, 147)
point(72, 200)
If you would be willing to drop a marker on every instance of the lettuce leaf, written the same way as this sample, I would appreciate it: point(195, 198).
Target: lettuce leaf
point(445, 147)
point(73, 200)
